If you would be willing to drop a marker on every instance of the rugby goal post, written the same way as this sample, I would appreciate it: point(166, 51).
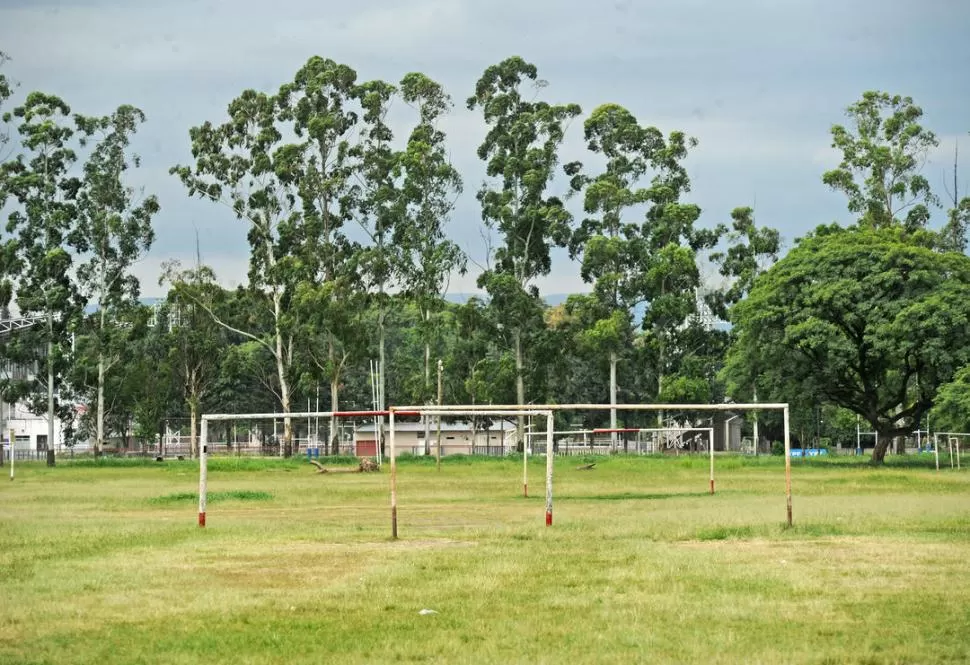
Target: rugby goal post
point(550, 409)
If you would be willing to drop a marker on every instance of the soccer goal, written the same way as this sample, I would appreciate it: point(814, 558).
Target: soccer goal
point(251, 432)
point(550, 409)
point(953, 443)
point(630, 440)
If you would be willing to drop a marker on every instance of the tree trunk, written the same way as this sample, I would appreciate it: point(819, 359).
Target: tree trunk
point(99, 440)
point(427, 433)
point(661, 359)
point(519, 391)
point(281, 366)
point(381, 395)
point(193, 426)
point(427, 394)
point(334, 402)
point(427, 369)
point(287, 433)
point(882, 445)
point(50, 400)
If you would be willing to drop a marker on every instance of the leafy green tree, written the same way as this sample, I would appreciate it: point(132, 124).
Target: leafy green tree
point(620, 255)
point(952, 409)
point(669, 279)
point(6, 91)
point(114, 231)
point(38, 257)
point(521, 154)
point(430, 185)
point(322, 103)
point(194, 343)
point(581, 374)
point(751, 250)
point(958, 216)
point(112, 397)
point(157, 389)
point(379, 210)
point(869, 319)
point(881, 158)
point(244, 164)
point(333, 335)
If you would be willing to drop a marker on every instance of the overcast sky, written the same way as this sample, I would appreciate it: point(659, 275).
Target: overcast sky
point(757, 82)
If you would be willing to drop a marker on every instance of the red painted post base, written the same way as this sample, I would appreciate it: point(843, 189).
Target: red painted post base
point(712, 487)
point(548, 518)
point(201, 519)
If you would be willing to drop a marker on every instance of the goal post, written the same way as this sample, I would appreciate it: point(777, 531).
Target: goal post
point(638, 430)
point(479, 411)
point(518, 409)
point(208, 418)
point(953, 440)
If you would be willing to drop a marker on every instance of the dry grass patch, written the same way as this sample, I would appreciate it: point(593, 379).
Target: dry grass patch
point(640, 566)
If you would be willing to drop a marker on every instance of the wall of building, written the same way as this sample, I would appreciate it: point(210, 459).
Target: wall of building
point(30, 430)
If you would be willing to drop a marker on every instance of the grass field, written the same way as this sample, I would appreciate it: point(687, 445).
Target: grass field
point(105, 564)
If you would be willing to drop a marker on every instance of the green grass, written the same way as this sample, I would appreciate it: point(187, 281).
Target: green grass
point(211, 497)
point(103, 563)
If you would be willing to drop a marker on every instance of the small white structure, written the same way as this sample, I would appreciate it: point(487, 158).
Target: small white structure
point(456, 439)
point(30, 430)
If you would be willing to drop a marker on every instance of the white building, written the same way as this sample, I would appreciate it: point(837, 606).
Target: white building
point(29, 429)
point(456, 439)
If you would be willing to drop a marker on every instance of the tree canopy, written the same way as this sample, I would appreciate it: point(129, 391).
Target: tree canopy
point(873, 320)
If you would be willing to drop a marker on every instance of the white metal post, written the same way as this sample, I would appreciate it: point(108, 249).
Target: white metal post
point(393, 454)
point(727, 432)
point(550, 458)
point(203, 471)
point(787, 465)
point(13, 438)
point(613, 427)
point(712, 460)
point(936, 450)
point(525, 465)
point(756, 439)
